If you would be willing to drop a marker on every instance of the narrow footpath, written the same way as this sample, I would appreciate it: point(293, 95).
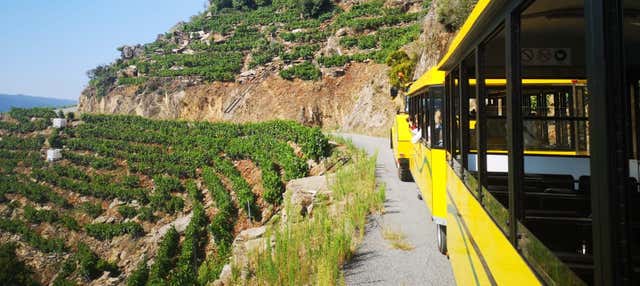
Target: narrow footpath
point(376, 262)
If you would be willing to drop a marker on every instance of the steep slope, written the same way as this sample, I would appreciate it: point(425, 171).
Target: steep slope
point(319, 63)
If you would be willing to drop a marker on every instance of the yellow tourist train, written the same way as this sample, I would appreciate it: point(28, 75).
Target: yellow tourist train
point(524, 143)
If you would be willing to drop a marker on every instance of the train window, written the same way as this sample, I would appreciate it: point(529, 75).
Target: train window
point(436, 116)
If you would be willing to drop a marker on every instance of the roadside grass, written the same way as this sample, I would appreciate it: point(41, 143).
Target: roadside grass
point(396, 238)
point(312, 251)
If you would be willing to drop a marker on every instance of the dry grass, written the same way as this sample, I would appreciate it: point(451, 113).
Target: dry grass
point(396, 238)
point(312, 251)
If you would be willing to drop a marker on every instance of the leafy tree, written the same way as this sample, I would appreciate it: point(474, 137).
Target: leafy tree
point(102, 78)
point(453, 13)
point(402, 66)
point(313, 8)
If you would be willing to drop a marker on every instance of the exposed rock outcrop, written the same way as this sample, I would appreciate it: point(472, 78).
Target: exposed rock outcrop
point(358, 100)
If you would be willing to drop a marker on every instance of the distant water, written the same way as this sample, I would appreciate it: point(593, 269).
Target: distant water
point(25, 101)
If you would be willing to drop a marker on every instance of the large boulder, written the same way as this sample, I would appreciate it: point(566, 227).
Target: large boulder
point(130, 52)
point(302, 194)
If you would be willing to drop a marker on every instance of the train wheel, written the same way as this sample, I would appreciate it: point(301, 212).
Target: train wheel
point(442, 239)
point(404, 174)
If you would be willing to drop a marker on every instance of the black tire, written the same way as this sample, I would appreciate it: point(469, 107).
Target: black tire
point(404, 174)
point(442, 238)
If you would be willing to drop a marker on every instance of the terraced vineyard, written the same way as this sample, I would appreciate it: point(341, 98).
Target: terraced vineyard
point(230, 37)
point(148, 202)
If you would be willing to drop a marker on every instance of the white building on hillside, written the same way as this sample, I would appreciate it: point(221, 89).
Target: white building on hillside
point(59, 123)
point(54, 154)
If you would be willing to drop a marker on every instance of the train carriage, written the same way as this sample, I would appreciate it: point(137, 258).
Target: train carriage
point(527, 139)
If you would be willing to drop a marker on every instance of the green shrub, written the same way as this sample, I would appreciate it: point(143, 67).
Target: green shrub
point(301, 52)
point(304, 71)
point(102, 79)
point(31, 237)
point(127, 211)
point(55, 141)
point(93, 210)
point(146, 214)
point(164, 260)
point(12, 270)
point(107, 231)
point(140, 275)
point(313, 8)
point(453, 13)
point(90, 266)
point(37, 216)
point(402, 67)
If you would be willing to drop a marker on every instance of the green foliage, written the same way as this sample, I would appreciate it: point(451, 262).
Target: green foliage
point(95, 162)
point(453, 13)
point(312, 8)
point(16, 143)
point(146, 213)
point(304, 71)
point(164, 260)
point(140, 275)
point(55, 141)
point(264, 55)
point(35, 192)
point(31, 237)
point(301, 52)
point(402, 67)
point(37, 216)
point(93, 210)
point(25, 127)
point(162, 198)
point(192, 251)
point(107, 231)
point(25, 114)
point(210, 269)
point(12, 270)
point(222, 223)
point(426, 4)
point(192, 189)
point(246, 199)
point(102, 79)
point(90, 266)
point(66, 269)
point(314, 35)
point(127, 211)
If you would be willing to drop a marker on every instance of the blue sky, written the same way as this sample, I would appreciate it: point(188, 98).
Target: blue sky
point(47, 46)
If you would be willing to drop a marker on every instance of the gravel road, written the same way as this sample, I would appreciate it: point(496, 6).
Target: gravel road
point(375, 261)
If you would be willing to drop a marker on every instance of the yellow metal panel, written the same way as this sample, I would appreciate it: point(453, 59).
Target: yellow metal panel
point(432, 77)
point(401, 137)
point(421, 171)
point(479, 236)
point(439, 177)
point(465, 262)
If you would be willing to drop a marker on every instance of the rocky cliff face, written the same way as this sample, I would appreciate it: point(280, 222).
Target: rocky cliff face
point(352, 97)
point(357, 101)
